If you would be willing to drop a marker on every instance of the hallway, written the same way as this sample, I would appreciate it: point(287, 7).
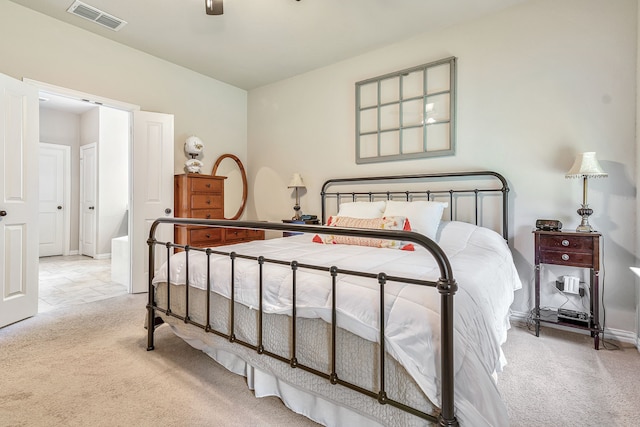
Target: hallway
point(76, 279)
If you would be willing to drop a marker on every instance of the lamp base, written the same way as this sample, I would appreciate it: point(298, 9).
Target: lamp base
point(584, 226)
point(298, 214)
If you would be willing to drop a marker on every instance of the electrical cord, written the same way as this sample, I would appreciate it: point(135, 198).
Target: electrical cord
point(604, 310)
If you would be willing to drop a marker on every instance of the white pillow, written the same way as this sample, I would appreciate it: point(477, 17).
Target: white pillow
point(424, 216)
point(365, 210)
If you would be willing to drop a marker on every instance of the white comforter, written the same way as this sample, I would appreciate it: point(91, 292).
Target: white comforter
point(482, 266)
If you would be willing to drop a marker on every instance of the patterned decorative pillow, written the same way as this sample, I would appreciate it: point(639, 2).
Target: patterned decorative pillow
point(385, 223)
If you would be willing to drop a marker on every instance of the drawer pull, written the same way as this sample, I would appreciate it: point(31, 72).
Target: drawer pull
point(565, 242)
point(565, 257)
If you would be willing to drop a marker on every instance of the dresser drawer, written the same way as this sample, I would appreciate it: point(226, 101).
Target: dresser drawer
point(234, 235)
point(568, 257)
point(204, 185)
point(567, 243)
point(255, 234)
point(205, 236)
point(207, 213)
point(206, 201)
point(231, 234)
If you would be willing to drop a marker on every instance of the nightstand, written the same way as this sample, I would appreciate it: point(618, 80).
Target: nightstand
point(572, 249)
point(296, 221)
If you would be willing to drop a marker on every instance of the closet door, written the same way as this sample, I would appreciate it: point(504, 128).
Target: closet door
point(88, 191)
point(18, 200)
point(53, 206)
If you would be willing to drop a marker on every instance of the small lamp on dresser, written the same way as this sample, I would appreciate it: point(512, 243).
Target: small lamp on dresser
point(296, 183)
point(585, 166)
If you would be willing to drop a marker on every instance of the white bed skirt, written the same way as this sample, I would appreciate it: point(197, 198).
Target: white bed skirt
point(264, 384)
point(301, 391)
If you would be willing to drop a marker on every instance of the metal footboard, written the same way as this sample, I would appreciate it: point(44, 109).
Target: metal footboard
point(446, 286)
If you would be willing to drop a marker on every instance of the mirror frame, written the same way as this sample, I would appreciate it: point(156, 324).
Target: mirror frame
point(244, 180)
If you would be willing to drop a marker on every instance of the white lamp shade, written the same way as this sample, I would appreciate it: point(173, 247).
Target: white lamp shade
point(296, 181)
point(586, 165)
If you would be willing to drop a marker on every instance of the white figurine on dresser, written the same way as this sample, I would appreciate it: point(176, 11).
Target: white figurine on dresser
point(193, 146)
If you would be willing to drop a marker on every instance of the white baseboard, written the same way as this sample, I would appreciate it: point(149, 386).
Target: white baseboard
point(617, 334)
point(102, 256)
point(74, 252)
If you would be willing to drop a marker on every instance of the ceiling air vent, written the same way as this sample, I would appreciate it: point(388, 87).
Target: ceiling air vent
point(96, 15)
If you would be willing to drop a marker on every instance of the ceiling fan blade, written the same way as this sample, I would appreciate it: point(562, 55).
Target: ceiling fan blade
point(213, 7)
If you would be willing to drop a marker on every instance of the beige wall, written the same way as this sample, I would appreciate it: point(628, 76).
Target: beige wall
point(537, 84)
point(37, 47)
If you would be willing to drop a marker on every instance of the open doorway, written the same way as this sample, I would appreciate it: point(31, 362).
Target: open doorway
point(84, 198)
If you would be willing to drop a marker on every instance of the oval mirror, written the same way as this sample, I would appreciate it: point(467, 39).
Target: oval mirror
point(235, 186)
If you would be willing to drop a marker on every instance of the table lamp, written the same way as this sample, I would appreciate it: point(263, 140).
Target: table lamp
point(585, 166)
point(296, 182)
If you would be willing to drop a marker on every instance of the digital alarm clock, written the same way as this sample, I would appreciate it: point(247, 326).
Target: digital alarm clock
point(548, 224)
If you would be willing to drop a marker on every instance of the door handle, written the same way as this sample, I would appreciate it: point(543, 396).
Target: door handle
point(3, 213)
point(59, 207)
point(91, 208)
point(167, 211)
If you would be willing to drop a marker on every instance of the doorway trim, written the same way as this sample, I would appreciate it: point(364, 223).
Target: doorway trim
point(82, 96)
point(106, 102)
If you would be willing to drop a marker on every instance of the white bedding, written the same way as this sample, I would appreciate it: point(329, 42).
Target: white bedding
point(482, 266)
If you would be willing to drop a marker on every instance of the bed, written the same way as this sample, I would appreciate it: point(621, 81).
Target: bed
point(353, 322)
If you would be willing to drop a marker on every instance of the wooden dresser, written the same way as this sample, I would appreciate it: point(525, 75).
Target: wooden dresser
point(202, 196)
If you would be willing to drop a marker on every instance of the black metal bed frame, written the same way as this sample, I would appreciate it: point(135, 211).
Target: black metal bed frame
point(446, 285)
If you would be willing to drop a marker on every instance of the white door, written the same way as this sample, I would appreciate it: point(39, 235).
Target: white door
point(88, 191)
point(152, 189)
point(53, 202)
point(19, 131)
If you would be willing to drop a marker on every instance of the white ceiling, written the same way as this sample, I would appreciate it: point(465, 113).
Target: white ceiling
point(257, 42)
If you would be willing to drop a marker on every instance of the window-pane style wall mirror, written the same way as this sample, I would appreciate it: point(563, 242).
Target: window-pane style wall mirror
point(407, 114)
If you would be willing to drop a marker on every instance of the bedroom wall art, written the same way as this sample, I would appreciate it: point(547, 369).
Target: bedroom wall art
point(407, 114)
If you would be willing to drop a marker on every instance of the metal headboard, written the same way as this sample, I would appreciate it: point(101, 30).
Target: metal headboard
point(475, 183)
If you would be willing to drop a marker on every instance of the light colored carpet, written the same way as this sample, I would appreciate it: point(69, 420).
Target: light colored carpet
point(88, 365)
point(560, 379)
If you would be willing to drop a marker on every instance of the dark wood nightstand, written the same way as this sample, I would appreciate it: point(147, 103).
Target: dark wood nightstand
point(296, 221)
point(573, 249)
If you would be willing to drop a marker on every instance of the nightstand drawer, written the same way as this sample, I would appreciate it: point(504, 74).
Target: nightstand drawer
point(568, 257)
point(206, 201)
point(567, 243)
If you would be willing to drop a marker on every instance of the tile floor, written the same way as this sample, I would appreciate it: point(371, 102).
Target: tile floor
point(76, 279)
